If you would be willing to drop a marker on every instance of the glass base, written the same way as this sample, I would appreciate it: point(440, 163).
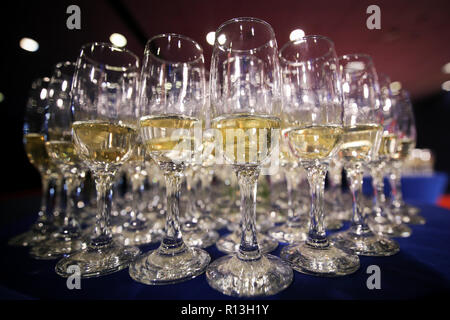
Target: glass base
point(98, 261)
point(230, 243)
point(289, 234)
point(365, 243)
point(325, 262)
point(154, 268)
point(200, 238)
point(26, 239)
point(385, 227)
point(333, 224)
point(58, 246)
point(262, 277)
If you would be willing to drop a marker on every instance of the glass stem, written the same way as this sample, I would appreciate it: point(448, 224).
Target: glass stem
point(102, 233)
point(136, 222)
point(172, 242)
point(206, 180)
point(70, 224)
point(293, 218)
point(378, 189)
point(44, 218)
point(190, 214)
point(355, 176)
point(316, 178)
point(248, 182)
point(58, 209)
point(396, 188)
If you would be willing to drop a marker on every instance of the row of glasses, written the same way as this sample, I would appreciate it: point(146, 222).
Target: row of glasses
point(406, 143)
point(314, 113)
point(59, 147)
point(360, 144)
point(380, 219)
point(34, 136)
point(331, 109)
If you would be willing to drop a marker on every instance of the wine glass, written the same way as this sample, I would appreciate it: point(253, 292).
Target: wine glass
point(312, 102)
point(381, 220)
point(406, 137)
point(172, 101)
point(245, 113)
point(360, 144)
point(34, 136)
point(60, 149)
point(104, 134)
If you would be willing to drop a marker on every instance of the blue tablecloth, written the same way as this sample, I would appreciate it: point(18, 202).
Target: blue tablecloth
point(421, 269)
point(426, 188)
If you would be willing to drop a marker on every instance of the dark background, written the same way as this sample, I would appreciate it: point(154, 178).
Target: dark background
point(411, 47)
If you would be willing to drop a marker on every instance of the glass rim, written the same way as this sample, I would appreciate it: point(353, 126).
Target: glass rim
point(246, 19)
point(304, 39)
point(148, 52)
point(129, 66)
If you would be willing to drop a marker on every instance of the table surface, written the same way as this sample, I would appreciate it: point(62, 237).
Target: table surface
point(421, 269)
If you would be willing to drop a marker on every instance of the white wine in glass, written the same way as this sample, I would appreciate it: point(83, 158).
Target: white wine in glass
point(104, 124)
point(245, 111)
point(172, 96)
point(361, 142)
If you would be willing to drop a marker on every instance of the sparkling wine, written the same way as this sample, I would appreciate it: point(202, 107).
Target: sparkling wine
point(315, 142)
point(36, 152)
point(102, 143)
point(169, 138)
point(247, 139)
point(360, 142)
point(62, 152)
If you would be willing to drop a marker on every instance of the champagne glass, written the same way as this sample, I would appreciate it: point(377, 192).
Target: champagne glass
point(34, 136)
point(172, 102)
point(312, 102)
point(60, 149)
point(246, 109)
point(407, 141)
point(381, 220)
point(360, 144)
point(104, 134)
